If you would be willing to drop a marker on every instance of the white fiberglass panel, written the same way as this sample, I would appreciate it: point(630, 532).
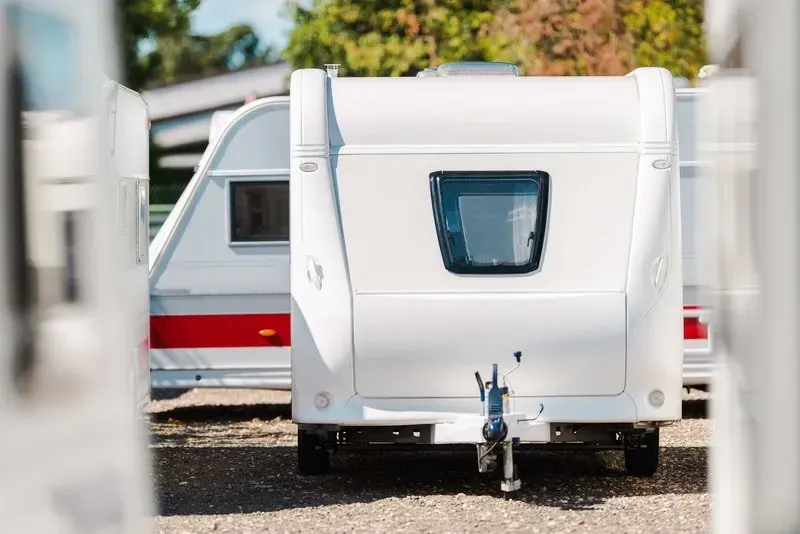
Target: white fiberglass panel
point(483, 110)
point(422, 329)
point(257, 140)
point(430, 345)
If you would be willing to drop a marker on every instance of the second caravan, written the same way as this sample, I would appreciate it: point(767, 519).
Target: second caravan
point(219, 265)
point(204, 281)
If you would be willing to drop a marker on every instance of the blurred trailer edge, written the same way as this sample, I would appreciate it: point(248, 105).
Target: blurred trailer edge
point(75, 457)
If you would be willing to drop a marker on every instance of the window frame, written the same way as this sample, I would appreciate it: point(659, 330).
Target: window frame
point(542, 206)
point(142, 218)
point(231, 179)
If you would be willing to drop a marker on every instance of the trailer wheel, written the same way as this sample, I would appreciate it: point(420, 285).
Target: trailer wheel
point(312, 457)
point(641, 454)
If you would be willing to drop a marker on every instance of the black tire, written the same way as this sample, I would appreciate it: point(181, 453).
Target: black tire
point(312, 457)
point(642, 461)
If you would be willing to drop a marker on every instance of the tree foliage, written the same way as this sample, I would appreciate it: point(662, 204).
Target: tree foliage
point(390, 37)
point(175, 53)
point(401, 37)
point(562, 37)
point(141, 20)
point(184, 56)
point(669, 34)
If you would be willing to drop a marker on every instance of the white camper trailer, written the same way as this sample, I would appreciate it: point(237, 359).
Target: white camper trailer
point(698, 359)
point(64, 319)
point(219, 265)
point(56, 148)
point(54, 143)
point(129, 150)
point(442, 224)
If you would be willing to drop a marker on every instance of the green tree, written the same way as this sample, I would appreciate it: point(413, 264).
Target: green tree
point(389, 37)
point(148, 20)
point(668, 33)
point(556, 37)
point(181, 56)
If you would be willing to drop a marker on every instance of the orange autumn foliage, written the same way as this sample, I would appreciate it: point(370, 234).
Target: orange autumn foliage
point(561, 37)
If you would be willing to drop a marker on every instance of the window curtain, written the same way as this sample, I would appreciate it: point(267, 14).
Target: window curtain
point(523, 223)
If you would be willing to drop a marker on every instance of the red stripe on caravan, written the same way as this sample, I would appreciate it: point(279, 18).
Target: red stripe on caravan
point(220, 331)
point(245, 330)
point(693, 329)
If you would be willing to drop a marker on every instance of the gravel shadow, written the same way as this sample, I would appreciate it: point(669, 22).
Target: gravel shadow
point(195, 476)
point(157, 394)
point(222, 413)
point(215, 480)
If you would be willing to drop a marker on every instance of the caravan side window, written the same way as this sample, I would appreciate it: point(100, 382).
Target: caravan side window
point(259, 211)
point(490, 222)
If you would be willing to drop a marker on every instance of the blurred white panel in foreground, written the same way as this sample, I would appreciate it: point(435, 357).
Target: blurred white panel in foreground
point(753, 130)
point(72, 453)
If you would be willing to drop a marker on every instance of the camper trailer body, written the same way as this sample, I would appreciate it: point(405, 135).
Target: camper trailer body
point(219, 265)
point(219, 119)
point(405, 279)
point(129, 152)
point(64, 318)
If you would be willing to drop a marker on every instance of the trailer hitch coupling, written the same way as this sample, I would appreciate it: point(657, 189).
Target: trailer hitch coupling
point(494, 406)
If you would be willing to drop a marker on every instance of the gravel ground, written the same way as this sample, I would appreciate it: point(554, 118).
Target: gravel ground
point(224, 462)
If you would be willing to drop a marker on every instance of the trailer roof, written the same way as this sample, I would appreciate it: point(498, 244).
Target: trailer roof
point(473, 111)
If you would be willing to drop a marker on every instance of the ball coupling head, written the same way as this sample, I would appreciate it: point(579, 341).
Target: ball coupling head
point(495, 429)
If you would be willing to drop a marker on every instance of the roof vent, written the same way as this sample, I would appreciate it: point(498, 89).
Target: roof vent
point(477, 68)
point(427, 72)
point(707, 71)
